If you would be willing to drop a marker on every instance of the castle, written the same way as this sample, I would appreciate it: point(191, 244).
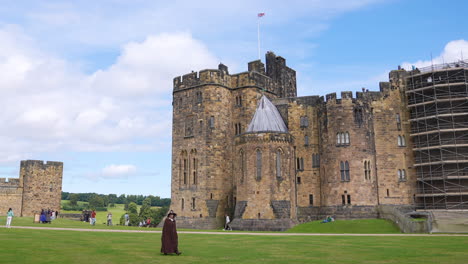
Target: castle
point(245, 145)
point(39, 186)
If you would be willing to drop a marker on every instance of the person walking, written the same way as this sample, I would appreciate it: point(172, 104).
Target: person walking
point(10, 215)
point(93, 218)
point(169, 238)
point(227, 226)
point(109, 219)
point(127, 219)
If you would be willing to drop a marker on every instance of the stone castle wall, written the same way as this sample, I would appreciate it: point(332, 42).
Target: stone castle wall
point(314, 155)
point(39, 186)
point(11, 196)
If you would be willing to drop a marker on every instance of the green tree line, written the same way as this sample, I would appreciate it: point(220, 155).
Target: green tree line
point(105, 200)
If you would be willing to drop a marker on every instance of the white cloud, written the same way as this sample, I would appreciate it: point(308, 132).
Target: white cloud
point(453, 52)
point(49, 104)
point(118, 171)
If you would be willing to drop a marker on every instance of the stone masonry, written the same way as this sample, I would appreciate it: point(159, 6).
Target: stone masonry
point(339, 156)
point(39, 186)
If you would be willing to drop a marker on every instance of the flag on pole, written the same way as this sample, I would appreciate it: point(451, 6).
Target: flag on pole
point(260, 14)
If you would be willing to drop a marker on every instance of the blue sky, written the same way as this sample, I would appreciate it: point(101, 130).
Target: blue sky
point(89, 82)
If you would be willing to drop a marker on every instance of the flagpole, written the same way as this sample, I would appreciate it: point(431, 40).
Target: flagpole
point(258, 36)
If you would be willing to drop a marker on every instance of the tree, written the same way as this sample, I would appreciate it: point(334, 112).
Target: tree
point(145, 210)
point(133, 214)
point(132, 208)
point(96, 201)
point(74, 199)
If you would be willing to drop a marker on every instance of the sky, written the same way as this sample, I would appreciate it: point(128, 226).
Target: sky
point(89, 83)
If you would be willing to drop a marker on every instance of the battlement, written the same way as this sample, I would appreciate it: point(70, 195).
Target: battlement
point(274, 77)
point(9, 183)
point(263, 137)
point(40, 163)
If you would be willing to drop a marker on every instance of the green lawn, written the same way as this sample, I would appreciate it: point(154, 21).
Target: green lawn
point(363, 226)
point(49, 246)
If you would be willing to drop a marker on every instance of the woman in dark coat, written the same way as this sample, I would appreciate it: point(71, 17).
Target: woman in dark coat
point(169, 239)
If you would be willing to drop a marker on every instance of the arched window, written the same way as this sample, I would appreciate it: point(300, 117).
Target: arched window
point(342, 138)
point(338, 139)
point(259, 165)
point(185, 171)
point(399, 141)
point(347, 171)
point(346, 138)
point(278, 164)
point(403, 141)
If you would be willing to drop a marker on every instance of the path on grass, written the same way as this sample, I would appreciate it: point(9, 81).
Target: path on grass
point(233, 233)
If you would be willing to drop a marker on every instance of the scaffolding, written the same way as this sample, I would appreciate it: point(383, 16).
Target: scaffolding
point(438, 105)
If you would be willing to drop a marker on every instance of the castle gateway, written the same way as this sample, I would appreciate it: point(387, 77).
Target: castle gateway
point(245, 144)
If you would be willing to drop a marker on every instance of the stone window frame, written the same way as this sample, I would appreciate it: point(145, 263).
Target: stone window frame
point(258, 164)
point(401, 140)
point(367, 170)
point(193, 203)
point(239, 101)
point(304, 121)
point(311, 199)
point(344, 171)
point(398, 121)
point(211, 122)
point(315, 160)
point(183, 168)
point(358, 117)
point(343, 139)
point(242, 165)
point(194, 166)
point(306, 140)
point(279, 163)
point(199, 97)
point(300, 164)
point(182, 204)
point(401, 175)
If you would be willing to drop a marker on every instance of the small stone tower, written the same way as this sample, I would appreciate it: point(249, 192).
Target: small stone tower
point(264, 182)
point(42, 185)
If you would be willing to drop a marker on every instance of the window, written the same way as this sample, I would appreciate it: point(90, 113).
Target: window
point(195, 176)
point(242, 162)
point(388, 193)
point(342, 138)
point(311, 199)
point(306, 140)
point(304, 121)
point(193, 203)
point(201, 127)
point(259, 165)
point(344, 171)
point(211, 122)
point(298, 180)
point(343, 199)
point(358, 116)
point(185, 171)
point(349, 199)
point(347, 170)
point(278, 164)
point(401, 175)
point(238, 128)
point(367, 171)
point(183, 204)
point(300, 164)
point(398, 121)
point(199, 98)
point(315, 160)
point(238, 100)
point(401, 141)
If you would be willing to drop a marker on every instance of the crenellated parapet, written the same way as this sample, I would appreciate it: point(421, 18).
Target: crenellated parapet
point(9, 183)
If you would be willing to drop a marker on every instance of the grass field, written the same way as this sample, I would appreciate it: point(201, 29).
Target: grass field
point(362, 226)
point(49, 246)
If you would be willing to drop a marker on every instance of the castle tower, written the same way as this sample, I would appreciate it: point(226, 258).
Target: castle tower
point(264, 173)
point(42, 185)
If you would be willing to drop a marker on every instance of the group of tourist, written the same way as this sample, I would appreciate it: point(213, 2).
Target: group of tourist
point(145, 223)
point(47, 216)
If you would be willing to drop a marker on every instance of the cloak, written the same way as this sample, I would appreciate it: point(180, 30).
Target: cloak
point(169, 239)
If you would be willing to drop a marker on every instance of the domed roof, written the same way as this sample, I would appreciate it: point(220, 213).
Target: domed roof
point(267, 118)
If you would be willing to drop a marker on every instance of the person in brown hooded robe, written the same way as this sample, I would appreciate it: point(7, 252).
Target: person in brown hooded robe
point(169, 239)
